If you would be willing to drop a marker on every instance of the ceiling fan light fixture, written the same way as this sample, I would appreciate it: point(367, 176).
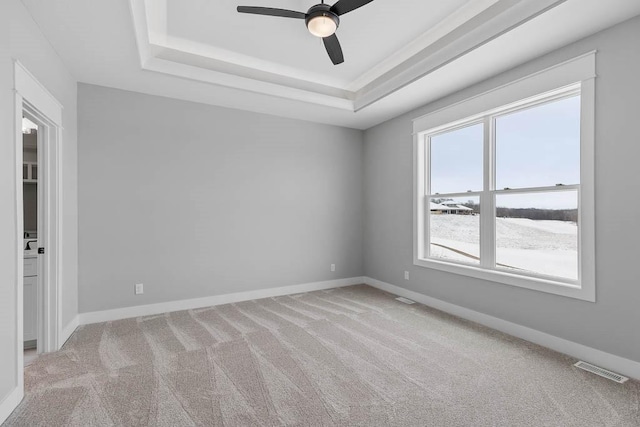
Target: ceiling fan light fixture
point(321, 20)
point(322, 26)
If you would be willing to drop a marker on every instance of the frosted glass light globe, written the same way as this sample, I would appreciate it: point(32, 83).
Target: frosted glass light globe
point(322, 26)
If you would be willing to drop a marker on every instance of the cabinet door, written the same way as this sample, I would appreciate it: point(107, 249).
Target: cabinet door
point(30, 311)
point(31, 264)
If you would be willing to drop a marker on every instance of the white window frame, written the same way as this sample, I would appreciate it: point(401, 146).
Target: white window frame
point(572, 77)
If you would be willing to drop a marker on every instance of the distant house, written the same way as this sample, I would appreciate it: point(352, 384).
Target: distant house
point(449, 207)
point(438, 209)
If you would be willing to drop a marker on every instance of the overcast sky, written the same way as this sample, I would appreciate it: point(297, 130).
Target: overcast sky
point(537, 147)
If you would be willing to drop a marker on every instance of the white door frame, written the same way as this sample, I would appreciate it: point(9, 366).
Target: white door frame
point(34, 98)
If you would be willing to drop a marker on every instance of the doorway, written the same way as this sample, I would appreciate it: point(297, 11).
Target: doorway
point(38, 143)
point(31, 202)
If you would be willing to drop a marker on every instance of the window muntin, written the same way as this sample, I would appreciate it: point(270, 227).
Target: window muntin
point(544, 181)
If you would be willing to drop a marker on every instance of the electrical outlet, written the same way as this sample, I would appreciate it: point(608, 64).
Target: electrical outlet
point(406, 275)
point(333, 267)
point(139, 289)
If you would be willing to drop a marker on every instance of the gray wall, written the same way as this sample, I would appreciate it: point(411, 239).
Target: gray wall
point(195, 200)
point(21, 39)
point(611, 324)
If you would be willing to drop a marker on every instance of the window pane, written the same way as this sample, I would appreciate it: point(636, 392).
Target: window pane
point(539, 146)
point(456, 160)
point(538, 233)
point(455, 229)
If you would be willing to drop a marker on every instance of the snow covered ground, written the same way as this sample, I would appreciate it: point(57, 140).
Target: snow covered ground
point(543, 247)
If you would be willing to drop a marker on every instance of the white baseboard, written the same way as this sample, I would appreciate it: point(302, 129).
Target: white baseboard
point(627, 367)
point(68, 330)
point(597, 357)
point(188, 304)
point(10, 403)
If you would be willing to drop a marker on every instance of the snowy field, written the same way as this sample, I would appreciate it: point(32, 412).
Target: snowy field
point(543, 247)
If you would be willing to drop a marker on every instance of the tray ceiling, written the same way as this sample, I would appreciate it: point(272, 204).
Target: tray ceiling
point(399, 54)
point(368, 35)
point(210, 41)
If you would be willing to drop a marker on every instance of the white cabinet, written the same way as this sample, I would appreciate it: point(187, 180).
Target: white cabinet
point(30, 267)
point(30, 299)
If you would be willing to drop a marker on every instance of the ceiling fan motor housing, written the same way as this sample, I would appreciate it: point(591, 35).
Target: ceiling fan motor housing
point(321, 10)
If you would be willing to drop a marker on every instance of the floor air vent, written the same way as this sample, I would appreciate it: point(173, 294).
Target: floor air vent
point(602, 372)
point(405, 300)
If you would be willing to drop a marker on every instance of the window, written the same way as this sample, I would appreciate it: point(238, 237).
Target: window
point(507, 194)
point(535, 159)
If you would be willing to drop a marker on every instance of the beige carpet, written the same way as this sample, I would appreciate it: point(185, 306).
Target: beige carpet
point(350, 357)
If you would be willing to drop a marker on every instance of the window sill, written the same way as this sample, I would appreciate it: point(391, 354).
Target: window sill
point(537, 284)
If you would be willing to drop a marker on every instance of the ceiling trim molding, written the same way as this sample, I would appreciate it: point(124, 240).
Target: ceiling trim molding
point(468, 28)
point(206, 62)
point(251, 85)
point(453, 21)
point(138, 11)
point(238, 60)
point(493, 22)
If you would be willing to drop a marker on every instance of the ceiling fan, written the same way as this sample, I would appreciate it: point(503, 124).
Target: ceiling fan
point(322, 21)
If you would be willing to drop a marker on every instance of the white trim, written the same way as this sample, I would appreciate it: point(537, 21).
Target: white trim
point(456, 20)
point(419, 228)
point(206, 56)
point(469, 27)
point(30, 95)
point(19, 376)
point(487, 201)
point(573, 77)
point(141, 30)
point(494, 22)
point(587, 209)
point(31, 89)
point(499, 192)
point(188, 304)
point(201, 74)
point(50, 228)
point(566, 73)
point(47, 110)
point(69, 329)
point(628, 367)
point(9, 404)
point(532, 282)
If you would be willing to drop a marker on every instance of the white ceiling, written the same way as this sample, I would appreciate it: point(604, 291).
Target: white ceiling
point(399, 54)
point(368, 35)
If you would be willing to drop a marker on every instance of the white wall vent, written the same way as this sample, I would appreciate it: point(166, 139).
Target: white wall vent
point(405, 300)
point(600, 371)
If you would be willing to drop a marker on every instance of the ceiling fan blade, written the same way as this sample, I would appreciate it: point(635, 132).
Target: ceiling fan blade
point(334, 50)
point(345, 6)
point(285, 13)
